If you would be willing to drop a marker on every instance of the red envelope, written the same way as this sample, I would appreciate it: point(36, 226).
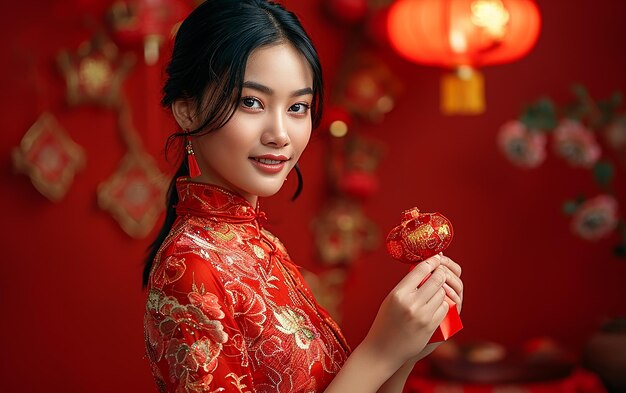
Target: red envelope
point(449, 326)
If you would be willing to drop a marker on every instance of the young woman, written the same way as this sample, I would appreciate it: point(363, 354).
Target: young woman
point(227, 310)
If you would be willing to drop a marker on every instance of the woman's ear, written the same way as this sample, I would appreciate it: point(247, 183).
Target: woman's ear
point(184, 111)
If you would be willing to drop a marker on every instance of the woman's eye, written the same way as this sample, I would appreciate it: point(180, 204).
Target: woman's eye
point(251, 103)
point(299, 108)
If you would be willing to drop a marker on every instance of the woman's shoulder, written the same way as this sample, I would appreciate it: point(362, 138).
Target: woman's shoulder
point(200, 236)
point(190, 250)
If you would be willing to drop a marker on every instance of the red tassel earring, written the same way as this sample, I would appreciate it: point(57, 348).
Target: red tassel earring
point(194, 169)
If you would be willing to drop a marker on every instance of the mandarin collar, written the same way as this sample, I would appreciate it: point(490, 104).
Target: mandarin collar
point(211, 201)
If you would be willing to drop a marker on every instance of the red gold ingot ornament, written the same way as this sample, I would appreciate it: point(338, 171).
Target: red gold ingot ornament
point(418, 237)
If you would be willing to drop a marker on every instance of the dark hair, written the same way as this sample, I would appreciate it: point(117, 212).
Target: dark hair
point(208, 62)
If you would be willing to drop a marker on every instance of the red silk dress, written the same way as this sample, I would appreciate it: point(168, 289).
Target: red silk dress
point(228, 311)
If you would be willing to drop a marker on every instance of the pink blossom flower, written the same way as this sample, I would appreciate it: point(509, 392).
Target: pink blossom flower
point(576, 144)
point(595, 218)
point(523, 147)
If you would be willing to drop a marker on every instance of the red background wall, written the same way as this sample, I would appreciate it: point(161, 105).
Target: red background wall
point(70, 278)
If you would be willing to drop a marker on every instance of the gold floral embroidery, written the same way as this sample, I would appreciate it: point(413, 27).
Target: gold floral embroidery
point(296, 323)
point(221, 232)
point(201, 355)
point(258, 251)
point(237, 382)
point(171, 315)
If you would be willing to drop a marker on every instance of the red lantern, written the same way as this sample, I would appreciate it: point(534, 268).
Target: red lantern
point(463, 35)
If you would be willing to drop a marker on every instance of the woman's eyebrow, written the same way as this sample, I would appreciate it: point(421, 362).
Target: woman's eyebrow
point(269, 91)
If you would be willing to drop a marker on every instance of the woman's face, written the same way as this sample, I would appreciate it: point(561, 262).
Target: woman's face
point(253, 153)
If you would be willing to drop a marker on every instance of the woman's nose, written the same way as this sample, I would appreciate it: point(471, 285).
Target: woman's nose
point(275, 133)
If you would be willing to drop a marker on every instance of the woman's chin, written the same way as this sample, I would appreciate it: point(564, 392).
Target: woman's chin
point(268, 191)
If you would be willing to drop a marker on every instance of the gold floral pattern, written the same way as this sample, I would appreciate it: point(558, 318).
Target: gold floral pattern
point(227, 310)
point(296, 323)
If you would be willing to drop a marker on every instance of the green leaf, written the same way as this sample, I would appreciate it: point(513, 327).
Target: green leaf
point(608, 109)
point(603, 173)
point(570, 207)
point(539, 115)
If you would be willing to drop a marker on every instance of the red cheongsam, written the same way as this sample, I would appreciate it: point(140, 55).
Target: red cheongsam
point(227, 310)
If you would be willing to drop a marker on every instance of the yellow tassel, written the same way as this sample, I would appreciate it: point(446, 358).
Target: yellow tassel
point(463, 92)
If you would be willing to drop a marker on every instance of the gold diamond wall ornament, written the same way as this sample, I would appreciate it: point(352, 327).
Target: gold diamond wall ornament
point(49, 157)
point(135, 193)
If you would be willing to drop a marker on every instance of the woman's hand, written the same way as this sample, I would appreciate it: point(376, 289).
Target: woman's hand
point(453, 284)
point(454, 289)
point(403, 326)
point(409, 315)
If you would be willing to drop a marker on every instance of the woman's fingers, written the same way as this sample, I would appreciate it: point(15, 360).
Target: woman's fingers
point(454, 281)
point(453, 287)
point(458, 300)
point(434, 307)
point(436, 300)
point(414, 278)
point(450, 264)
point(440, 313)
point(433, 285)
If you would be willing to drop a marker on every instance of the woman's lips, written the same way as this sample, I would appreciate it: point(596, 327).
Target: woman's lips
point(269, 163)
